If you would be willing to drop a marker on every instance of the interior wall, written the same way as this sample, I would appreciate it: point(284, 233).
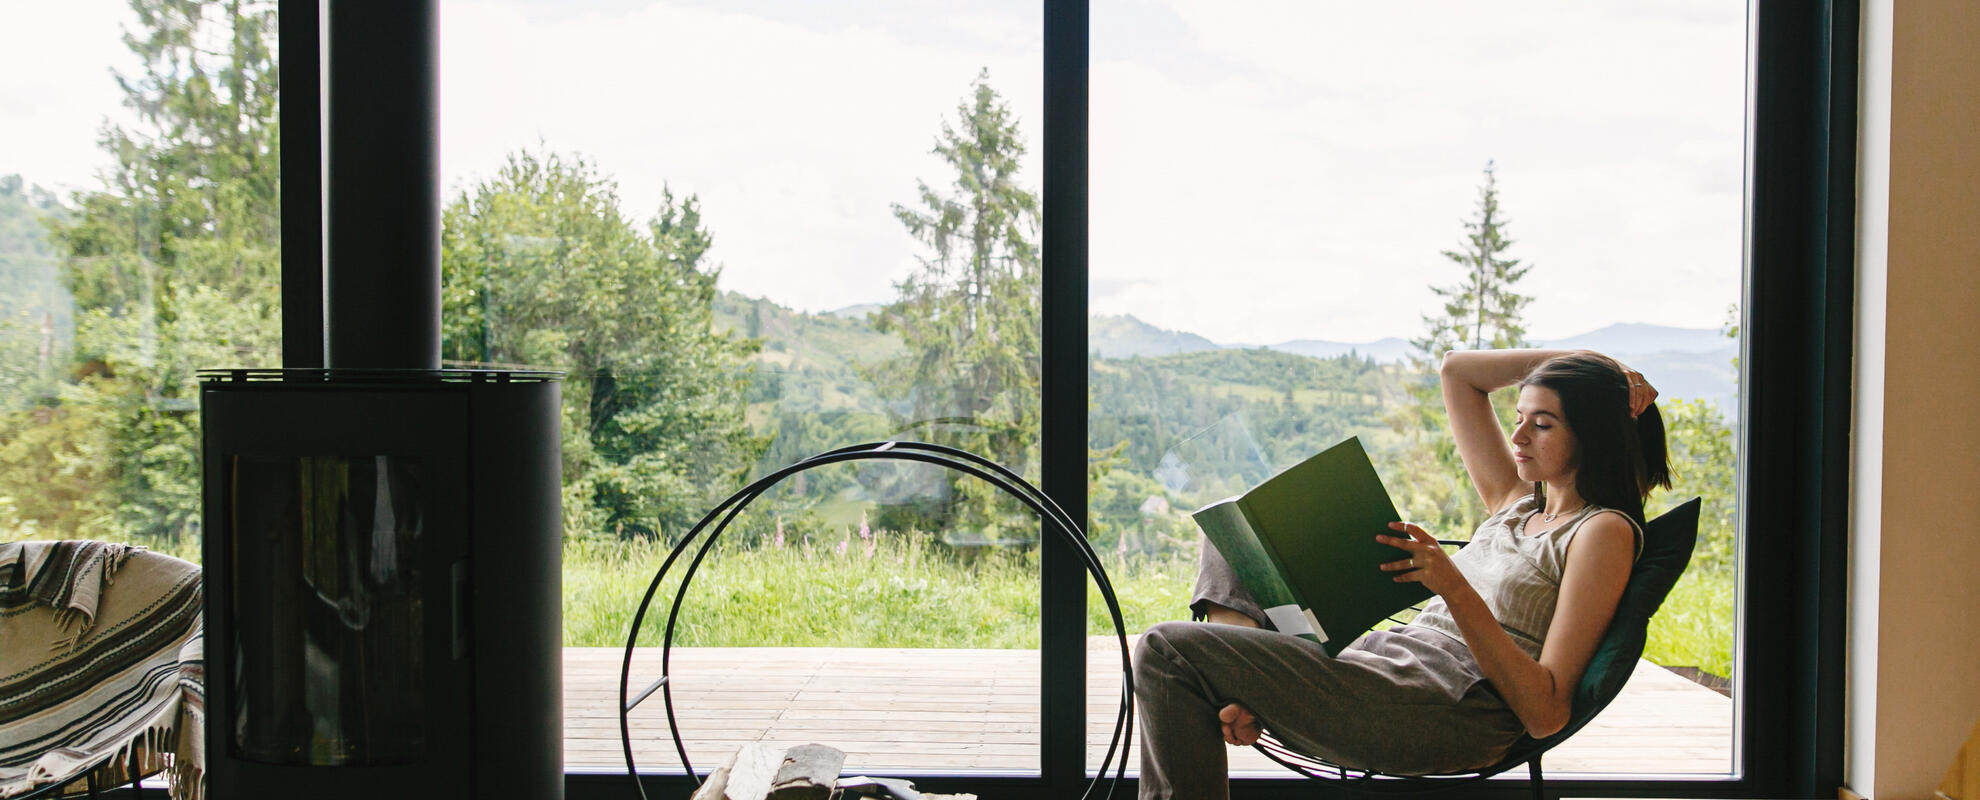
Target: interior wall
point(1873, 160)
point(1915, 659)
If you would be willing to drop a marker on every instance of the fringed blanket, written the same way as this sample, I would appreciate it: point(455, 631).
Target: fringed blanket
point(101, 667)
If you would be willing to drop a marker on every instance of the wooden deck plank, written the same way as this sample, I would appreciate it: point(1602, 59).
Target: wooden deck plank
point(972, 710)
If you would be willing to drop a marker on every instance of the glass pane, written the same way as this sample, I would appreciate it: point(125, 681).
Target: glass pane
point(140, 240)
point(808, 226)
point(328, 615)
point(1288, 201)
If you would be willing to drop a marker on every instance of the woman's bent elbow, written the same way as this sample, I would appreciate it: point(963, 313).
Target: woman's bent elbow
point(1547, 725)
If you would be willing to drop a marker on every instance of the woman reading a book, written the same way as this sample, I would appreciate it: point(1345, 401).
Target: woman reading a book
point(1496, 653)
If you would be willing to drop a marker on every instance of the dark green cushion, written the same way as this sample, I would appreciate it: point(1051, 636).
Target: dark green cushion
point(1667, 544)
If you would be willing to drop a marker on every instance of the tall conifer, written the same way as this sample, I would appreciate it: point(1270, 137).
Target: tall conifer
point(969, 315)
point(1482, 310)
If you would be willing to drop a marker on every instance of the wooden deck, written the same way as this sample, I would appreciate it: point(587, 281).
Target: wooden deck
point(964, 711)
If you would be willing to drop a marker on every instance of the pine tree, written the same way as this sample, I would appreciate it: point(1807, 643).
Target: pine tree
point(969, 316)
point(1482, 310)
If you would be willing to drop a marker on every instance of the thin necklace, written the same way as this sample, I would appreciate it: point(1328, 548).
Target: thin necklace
point(1544, 516)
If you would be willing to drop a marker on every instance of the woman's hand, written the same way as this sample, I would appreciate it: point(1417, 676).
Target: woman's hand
point(1641, 393)
point(1240, 727)
point(1427, 563)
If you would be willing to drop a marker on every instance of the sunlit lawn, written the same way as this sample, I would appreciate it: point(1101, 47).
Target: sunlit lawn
point(910, 593)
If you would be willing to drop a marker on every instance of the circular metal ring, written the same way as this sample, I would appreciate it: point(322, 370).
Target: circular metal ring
point(952, 458)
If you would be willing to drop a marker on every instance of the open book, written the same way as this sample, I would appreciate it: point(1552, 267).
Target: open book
point(1303, 543)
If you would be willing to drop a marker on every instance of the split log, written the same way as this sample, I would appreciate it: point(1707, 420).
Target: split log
point(763, 772)
point(808, 772)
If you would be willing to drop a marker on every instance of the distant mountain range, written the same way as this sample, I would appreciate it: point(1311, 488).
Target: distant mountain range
point(1683, 362)
point(1125, 337)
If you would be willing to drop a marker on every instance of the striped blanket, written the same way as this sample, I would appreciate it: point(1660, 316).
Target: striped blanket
point(101, 666)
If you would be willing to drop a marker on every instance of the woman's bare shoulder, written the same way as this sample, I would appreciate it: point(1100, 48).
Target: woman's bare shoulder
point(1610, 527)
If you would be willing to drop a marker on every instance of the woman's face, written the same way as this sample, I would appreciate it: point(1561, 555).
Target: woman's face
point(1543, 447)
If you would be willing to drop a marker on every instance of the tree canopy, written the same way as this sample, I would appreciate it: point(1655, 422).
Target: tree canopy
point(540, 267)
point(173, 266)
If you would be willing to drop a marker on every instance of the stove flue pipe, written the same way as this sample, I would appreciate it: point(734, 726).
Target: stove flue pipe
point(383, 245)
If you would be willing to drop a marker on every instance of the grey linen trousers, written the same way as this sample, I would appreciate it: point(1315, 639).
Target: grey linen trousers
point(1406, 701)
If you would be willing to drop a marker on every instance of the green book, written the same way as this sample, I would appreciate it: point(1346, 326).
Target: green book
point(1303, 543)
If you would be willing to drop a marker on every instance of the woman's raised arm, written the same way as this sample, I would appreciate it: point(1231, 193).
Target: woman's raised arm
point(1468, 378)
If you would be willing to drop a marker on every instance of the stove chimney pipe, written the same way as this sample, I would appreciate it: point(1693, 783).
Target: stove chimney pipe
point(383, 275)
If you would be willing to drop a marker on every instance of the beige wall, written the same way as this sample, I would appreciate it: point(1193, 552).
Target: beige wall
point(1914, 685)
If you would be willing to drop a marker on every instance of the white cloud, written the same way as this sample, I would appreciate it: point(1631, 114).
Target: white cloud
point(57, 89)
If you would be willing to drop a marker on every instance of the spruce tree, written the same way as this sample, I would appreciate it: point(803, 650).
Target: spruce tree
point(969, 315)
point(1482, 310)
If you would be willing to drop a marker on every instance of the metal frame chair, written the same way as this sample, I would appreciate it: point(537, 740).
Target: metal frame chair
point(1667, 545)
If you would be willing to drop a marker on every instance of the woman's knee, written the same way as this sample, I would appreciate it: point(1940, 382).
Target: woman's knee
point(1155, 658)
point(1166, 645)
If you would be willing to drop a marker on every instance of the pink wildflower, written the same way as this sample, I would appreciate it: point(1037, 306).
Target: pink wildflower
point(841, 549)
point(865, 533)
point(778, 542)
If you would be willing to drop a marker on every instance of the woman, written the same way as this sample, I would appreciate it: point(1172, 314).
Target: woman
point(1499, 649)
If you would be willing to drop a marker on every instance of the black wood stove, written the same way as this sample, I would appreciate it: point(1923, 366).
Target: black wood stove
point(382, 584)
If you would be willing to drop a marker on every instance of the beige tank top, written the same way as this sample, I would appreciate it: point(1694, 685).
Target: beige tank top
point(1518, 576)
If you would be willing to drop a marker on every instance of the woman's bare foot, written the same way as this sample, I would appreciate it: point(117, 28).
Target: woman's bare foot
point(1240, 727)
point(1224, 616)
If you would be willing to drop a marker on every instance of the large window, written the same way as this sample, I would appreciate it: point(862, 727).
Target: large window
point(1298, 209)
point(806, 227)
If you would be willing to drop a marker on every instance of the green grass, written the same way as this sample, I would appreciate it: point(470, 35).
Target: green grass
point(909, 593)
point(1694, 628)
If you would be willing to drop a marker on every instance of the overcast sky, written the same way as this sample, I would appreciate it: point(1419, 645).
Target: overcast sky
point(1261, 170)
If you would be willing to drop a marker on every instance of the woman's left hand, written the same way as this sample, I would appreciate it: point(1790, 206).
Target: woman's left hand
point(1427, 563)
point(1641, 393)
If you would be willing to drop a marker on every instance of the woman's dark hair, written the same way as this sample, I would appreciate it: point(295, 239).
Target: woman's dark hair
point(1620, 459)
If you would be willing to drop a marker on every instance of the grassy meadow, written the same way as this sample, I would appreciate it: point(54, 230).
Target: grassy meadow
point(894, 590)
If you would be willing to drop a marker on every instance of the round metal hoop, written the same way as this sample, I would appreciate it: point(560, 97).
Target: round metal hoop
point(952, 458)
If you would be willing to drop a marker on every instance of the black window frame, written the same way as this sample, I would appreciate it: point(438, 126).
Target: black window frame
point(1796, 351)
